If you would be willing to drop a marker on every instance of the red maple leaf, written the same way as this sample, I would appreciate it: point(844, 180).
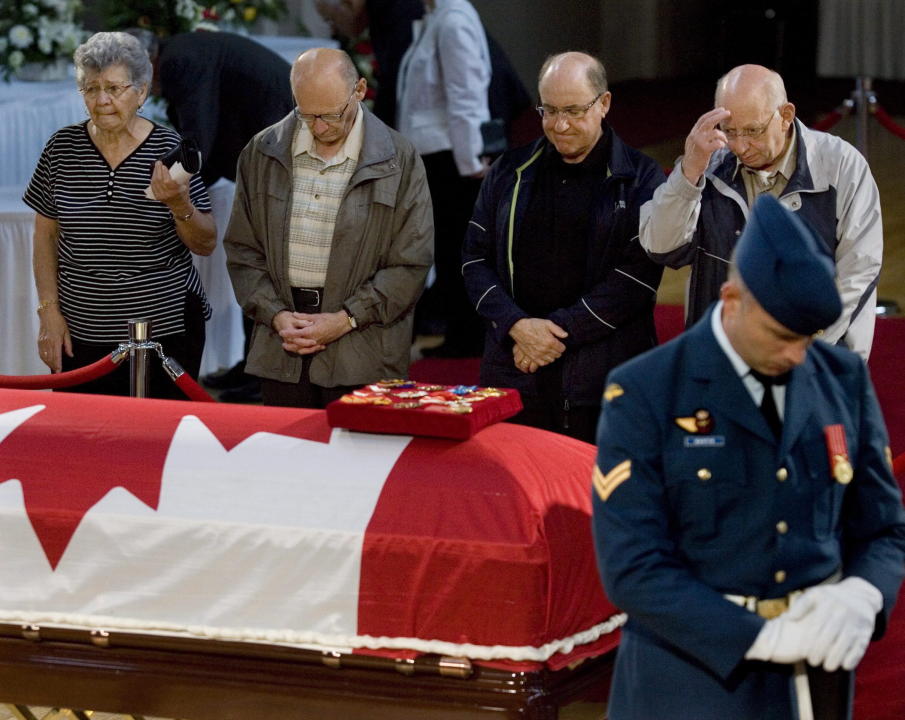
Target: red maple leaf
point(71, 454)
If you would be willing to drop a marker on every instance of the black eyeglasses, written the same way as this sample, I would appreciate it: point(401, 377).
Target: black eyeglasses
point(328, 118)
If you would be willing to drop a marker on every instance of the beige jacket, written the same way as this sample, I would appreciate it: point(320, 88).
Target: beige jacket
point(382, 251)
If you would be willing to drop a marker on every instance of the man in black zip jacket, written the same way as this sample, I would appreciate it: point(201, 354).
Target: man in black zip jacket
point(551, 259)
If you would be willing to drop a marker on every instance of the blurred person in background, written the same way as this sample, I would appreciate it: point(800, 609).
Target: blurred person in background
point(442, 95)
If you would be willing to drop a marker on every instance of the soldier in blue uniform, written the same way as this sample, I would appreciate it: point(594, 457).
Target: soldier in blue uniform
point(756, 549)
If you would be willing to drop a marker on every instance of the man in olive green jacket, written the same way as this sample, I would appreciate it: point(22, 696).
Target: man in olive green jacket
point(330, 240)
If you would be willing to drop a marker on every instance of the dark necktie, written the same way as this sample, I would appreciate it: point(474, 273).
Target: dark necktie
point(768, 403)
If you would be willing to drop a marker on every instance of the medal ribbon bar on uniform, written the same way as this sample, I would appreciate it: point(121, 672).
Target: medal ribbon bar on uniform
point(837, 449)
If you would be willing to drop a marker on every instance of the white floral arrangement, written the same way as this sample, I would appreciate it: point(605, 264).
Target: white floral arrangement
point(37, 31)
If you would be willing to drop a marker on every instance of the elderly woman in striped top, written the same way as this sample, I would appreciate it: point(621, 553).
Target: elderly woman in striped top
point(104, 253)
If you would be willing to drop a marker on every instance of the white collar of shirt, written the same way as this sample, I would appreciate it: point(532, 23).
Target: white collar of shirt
point(303, 142)
point(752, 384)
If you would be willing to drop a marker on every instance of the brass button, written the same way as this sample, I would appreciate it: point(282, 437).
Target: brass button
point(780, 576)
point(782, 527)
point(704, 474)
point(782, 474)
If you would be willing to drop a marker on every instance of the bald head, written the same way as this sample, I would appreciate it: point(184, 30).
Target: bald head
point(751, 82)
point(573, 68)
point(324, 67)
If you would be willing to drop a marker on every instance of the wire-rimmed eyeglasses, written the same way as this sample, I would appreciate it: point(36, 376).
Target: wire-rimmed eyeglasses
point(329, 118)
point(114, 91)
point(749, 133)
point(548, 112)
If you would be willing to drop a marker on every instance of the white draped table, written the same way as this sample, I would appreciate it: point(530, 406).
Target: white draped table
point(224, 344)
point(30, 112)
point(18, 297)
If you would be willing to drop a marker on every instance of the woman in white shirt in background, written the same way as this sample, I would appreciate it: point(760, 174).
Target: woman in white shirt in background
point(442, 103)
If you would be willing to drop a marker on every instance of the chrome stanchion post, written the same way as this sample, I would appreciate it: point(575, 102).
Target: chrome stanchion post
point(139, 369)
point(863, 97)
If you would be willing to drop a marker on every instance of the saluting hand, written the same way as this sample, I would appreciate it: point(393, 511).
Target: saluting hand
point(704, 139)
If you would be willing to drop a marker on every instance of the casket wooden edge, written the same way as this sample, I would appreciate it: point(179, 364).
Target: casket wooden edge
point(216, 680)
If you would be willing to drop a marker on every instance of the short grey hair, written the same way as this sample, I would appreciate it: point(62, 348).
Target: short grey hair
point(596, 72)
point(105, 49)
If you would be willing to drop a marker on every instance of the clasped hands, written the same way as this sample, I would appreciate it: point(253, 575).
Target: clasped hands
point(828, 625)
point(305, 333)
point(537, 343)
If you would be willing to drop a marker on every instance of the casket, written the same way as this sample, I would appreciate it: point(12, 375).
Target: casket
point(217, 561)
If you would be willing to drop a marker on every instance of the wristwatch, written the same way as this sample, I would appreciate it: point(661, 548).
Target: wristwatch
point(353, 323)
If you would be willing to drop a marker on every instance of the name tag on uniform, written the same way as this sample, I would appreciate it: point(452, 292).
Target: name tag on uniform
point(706, 441)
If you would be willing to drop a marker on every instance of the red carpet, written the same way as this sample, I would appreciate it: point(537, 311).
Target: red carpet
point(880, 683)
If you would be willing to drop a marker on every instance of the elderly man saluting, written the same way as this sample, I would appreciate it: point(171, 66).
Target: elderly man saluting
point(551, 258)
point(750, 144)
point(330, 240)
point(745, 513)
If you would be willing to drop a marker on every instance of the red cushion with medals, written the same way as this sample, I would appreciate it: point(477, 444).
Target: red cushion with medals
point(405, 407)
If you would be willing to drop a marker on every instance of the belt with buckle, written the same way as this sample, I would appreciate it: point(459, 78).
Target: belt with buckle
point(307, 296)
point(769, 608)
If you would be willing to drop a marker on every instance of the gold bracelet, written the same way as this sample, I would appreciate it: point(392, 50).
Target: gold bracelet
point(185, 218)
point(43, 305)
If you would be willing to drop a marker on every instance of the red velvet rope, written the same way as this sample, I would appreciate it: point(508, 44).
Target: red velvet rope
point(828, 122)
point(81, 375)
point(193, 390)
point(886, 121)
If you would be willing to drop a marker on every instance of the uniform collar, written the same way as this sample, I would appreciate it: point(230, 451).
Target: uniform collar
point(716, 324)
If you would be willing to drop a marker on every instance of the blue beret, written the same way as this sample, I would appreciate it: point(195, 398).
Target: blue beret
point(787, 269)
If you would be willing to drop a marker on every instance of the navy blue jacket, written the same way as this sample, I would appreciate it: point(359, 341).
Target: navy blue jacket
point(683, 517)
point(613, 319)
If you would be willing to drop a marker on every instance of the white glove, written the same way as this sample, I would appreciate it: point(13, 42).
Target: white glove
point(780, 640)
point(838, 620)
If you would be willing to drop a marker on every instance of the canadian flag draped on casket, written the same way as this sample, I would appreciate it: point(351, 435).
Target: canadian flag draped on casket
point(266, 525)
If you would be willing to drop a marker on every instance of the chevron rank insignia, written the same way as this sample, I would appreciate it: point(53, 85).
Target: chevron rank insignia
point(606, 484)
point(613, 390)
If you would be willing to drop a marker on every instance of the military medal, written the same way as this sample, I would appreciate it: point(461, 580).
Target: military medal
point(837, 449)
